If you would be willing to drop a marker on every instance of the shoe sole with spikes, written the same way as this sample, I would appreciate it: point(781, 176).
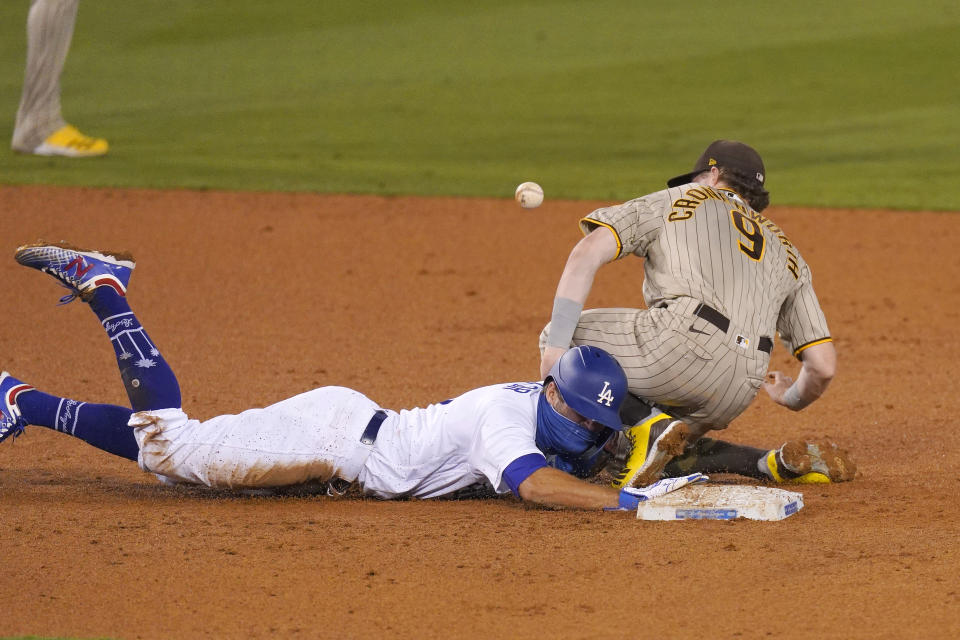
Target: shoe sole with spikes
point(655, 442)
point(814, 462)
point(80, 270)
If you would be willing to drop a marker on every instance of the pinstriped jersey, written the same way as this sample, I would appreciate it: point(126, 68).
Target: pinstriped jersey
point(708, 245)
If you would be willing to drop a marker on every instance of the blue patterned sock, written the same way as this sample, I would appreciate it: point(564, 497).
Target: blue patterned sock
point(148, 379)
point(102, 425)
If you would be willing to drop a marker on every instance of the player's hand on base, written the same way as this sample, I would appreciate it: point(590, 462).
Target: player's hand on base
point(776, 385)
point(548, 359)
point(630, 497)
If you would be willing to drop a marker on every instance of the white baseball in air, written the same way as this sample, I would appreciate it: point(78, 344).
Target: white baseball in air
point(529, 195)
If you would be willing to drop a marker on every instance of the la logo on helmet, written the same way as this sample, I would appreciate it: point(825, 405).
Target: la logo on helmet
point(606, 395)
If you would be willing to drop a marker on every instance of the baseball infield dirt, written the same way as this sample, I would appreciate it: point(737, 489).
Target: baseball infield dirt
point(257, 297)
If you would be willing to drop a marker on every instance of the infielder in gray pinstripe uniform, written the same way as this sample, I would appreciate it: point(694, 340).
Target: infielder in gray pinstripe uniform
point(720, 280)
point(40, 128)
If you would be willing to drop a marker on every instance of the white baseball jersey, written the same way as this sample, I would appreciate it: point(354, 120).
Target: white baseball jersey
point(315, 436)
point(448, 446)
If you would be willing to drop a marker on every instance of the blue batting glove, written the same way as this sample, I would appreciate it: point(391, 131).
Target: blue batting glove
point(631, 497)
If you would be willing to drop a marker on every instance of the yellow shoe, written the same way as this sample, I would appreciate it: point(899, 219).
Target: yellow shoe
point(654, 443)
point(800, 462)
point(67, 141)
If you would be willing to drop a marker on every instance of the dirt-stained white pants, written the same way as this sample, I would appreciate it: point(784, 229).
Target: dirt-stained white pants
point(313, 436)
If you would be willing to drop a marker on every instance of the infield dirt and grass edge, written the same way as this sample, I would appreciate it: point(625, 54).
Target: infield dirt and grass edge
point(850, 106)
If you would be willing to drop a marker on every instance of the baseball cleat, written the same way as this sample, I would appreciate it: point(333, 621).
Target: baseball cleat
point(70, 143)
point(654, 443)
point(800, 462)
point(11, 422)
point(80, 270)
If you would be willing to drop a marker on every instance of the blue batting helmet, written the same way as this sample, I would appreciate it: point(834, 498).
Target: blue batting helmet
point(592, 383)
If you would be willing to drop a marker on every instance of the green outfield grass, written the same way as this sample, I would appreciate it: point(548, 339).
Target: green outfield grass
point(850, 106)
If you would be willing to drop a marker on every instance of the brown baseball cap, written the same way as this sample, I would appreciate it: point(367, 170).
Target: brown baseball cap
point(726, 153)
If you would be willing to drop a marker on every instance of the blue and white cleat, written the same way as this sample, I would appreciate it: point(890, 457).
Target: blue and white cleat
point(11, 422)
point(80, 270)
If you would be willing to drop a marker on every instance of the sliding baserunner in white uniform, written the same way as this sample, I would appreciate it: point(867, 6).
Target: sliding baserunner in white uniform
point(499, 435)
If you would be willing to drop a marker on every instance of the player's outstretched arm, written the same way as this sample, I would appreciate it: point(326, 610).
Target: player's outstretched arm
point(819, 367)
point(553, 487)
point(592, 252)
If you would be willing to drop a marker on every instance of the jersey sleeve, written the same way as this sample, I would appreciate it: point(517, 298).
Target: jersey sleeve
point(506, 440)
point(521, 469)
point(801, 322)
point(635, 224)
